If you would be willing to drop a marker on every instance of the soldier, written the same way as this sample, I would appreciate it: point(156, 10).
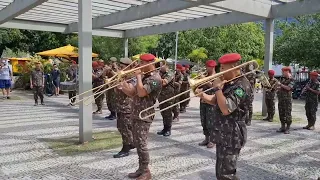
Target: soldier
point(231, 102)
point(144, 94)
point(72, 74)
point(123, 109)
point(177, 87)
point(98, 77)
point(37, 83)
point(270, 96)
point(167, 92)
point(206, 109)
point(252, 79)
point(184, 87)
point(110, 95)
point(284, 94)
point(312, 91)
point(187, 66)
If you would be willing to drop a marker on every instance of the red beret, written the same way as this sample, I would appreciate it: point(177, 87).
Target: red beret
point(187, 66)
point(211, 63)
point(73, 62)
point(271, 72)
point(286, 69)
point(147, 57)
point(313, 73)
point(182, 68)
point(230, 58)
point(101, 63)
point(179, 66)
point(95, 64)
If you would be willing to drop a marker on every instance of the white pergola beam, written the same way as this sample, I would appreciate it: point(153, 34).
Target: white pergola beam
point(255, 8)
point(18, 7)
point(53, 27)
point(296, 8)
point(147, 10)
point(210, 21)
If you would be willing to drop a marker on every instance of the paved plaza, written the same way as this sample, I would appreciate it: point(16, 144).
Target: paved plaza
point(267, 155)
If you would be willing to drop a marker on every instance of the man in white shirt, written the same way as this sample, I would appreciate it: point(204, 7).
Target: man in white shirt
point(6, 76)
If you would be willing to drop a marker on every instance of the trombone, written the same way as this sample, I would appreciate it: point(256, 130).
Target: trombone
point(254, 66)
point(115, 80)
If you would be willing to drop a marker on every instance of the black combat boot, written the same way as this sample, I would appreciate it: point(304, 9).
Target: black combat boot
point(287, 130)
point(168, 131)
point(124, 152)
point(132, 146)
point(161, 132)
point(283, 128)
point(205, 141)
point(270, 119)
point(112, 116)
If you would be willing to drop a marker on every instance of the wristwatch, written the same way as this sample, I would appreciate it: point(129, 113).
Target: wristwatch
point(215, 89)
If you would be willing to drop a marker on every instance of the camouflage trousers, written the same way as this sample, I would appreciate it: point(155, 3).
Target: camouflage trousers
point(270, 108)
point(110, 98)
point(184, 104)
point(99, 100)
point(124, 125)
point(140, 130)
point(206, 115)
point(311, 112)
point(38, 91)
point(285, 108)
point(175, 109)
point(226, 162)
point(248, 120)
point(167, 114)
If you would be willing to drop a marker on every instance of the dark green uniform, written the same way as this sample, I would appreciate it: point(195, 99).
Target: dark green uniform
point(166, 93)
point(285, 104)
point(98, 80)
point(270, 98)
point(311, 105)
point(252, 79)
point(177, 87)
point(111, 99)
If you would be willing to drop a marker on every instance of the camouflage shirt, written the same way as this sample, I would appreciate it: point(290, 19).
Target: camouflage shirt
point(72, 73)
point(283, 93)
point(185, 82)
point(123, 102)
point(232, 128)
point(152, 84)
point(252, 79)
point(178, 79)
point(167, 90)
point(99, 79)
point(37, 77)
point(271, 92)
point(311, 96)
point(205, 87)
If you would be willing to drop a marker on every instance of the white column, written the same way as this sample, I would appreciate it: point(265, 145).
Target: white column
point(85, 69)
point(126, 47)
point(176, 53)
point(269, 30)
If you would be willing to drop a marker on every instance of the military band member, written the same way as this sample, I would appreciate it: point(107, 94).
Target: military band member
point(184, 87)
point(167, 92)
point(252, 79)
point(206, 110)
point(270, 96)
point(188, 71)
point(72, 74)
point(110, 95)
point(37, 83)
point(311, 106)
point(123, 109)
point(285, 87)
point(145, 94)
point(177, 87)
point(231, 102)
point(98, 78)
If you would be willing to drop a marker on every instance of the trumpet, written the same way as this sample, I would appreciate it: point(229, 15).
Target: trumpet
point(114, 81)
point(194, 84)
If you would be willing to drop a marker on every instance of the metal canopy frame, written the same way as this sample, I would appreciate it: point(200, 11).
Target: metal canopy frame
point(133, 18)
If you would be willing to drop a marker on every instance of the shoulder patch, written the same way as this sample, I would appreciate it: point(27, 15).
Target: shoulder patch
point(239, 92)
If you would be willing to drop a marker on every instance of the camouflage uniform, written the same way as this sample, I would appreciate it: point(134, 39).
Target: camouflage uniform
point(72, 75)
point(152, 84)
point(252, 79)
point(285, 104)
point(37, 83)
point(230, 131)
point(184, 87)
point(166, 93)
point(111, 99)
point(177, 87)
point(98, 81)
point(311, 105)
point(270, 99)
point(206, 116)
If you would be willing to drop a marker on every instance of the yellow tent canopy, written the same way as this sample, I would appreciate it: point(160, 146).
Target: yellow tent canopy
point(65, 51)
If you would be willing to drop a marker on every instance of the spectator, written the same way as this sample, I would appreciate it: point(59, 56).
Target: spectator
point(56, 79)
point(6, 76)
